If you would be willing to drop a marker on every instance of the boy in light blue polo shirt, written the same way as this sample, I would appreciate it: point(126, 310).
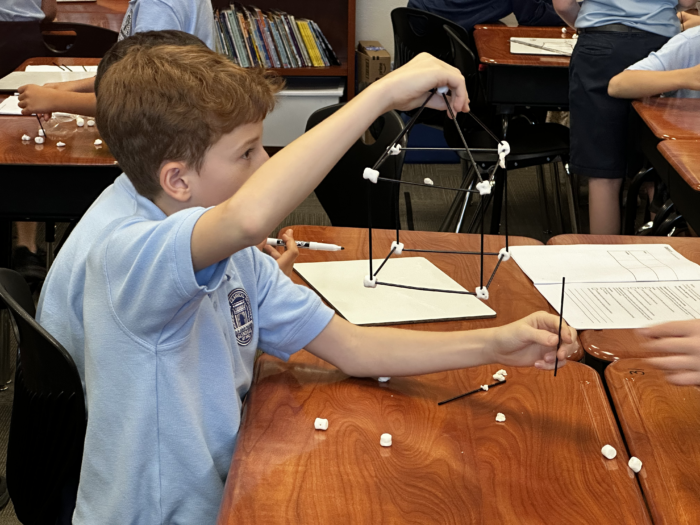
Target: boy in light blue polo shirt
point(672, 71)
point(175, 298)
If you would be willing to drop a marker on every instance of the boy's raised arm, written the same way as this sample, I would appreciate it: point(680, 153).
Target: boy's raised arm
point(567, 10)
point(633, 83)
point(285, 180)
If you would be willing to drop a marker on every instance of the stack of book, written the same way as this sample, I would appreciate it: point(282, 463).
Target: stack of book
point(253, 38)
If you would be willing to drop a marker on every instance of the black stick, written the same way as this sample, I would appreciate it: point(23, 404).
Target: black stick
point(494, 272)
point(487, 130)
point(450, 252)
point(459, 292)
point(461, 136)
point(423, 184)
point(42, 127)
point(469, 393)
point(561, 317)
point(384, 261)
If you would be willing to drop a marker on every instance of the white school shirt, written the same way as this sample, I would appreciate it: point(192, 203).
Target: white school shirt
point(21, 11)
point(681, 52)
point(655, 16)
point(167, 358)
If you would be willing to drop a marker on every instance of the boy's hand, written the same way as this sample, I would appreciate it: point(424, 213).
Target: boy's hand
point(532, 341)
point(39, 100)
point(284, 260)
point(681, 338)
point(407, 87)
point(691, 78)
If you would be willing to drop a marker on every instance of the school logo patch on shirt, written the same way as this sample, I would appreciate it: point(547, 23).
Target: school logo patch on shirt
point(241, 315)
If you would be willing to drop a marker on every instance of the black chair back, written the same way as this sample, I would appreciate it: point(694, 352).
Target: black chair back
point(47, 429)
point(88, 41)
point(343, 193)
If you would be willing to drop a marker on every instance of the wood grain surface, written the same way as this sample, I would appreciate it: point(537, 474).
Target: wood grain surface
point(493, 45)
point(661, 423)
point(79, 149)
point(670, 117)
point(611, 345)
point(448, 464)
point(684, 157)
point(108, 14)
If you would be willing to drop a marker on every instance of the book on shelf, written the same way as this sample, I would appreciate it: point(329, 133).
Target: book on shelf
point(253, 37)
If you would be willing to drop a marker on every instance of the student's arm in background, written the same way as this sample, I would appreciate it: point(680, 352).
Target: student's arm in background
point(681, 340)
point(567, 10)
point(369, 351)
point(285, 180)
point(44, 100)
point(640, 83)
point(50, 9)
point(688, 20)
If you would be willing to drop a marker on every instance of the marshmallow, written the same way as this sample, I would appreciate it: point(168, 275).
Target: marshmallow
point(80, 122)
point(39, 140)
point(563, 30)
point(97, 142)
point(41, 132)
point(91, 123)
point(503, 150)
point(370, 175)
point(499, 377)
point(60, 144)
point(385, 440)
point(398, 246)
point(26, 137)
point(502, 372)
point(429, 182)
point(500, 417)
point(370, 282)
point(485, 388)
point(503, 254)
point(395, 149)
point(442, 90)
point(383, 379)
point(608, 451)
point(484, 187)
point(482, 293)
point(575, 35)
point(635, 464)
point(321, 424)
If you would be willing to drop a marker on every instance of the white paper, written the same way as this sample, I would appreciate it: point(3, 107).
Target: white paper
point(9, 106)
point(590, 306)
point(56, 69)
point(604, 263)
point(341, 284)
point(554, 46)
point(14, 80)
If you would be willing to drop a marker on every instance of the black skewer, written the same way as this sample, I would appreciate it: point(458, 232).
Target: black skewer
point(470, 393)
point(561, 317)
point(42, 127)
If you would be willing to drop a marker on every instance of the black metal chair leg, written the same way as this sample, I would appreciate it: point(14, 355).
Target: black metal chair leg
point(543, 201)
point(630, 211)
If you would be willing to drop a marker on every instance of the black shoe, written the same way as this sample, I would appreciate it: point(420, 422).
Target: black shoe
point(4, 495)
point(29, 265)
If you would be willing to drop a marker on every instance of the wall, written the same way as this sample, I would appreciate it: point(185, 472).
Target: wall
point(374, 21)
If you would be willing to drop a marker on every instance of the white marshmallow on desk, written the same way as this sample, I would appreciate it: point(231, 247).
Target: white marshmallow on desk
point(502, 372)
point(397, 247)
point(370, 282)
point(429, 182)
point(26, 137)
point(383, 379)
point(609, 452)
point(41, 132)
point(635, 464)
point(80, 122)
point(321, 424)
point(503, 254)
point(39, 140)
point(60, 144)
point(485, 388)
point(97, 142)
point(500, 417)
point(482, 293)
point(499, 377)
point(385, 440)
point(91, 123)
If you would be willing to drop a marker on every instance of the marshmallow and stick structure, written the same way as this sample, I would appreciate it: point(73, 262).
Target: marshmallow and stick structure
point(561, 317)
point(483, 187)
point(480, 389)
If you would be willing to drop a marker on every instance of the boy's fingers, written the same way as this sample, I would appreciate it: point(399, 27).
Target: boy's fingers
point(672, 329)
point(684, 378)
point(674, 362)
point(272, 252)
point(542, 337)
point(676, 345)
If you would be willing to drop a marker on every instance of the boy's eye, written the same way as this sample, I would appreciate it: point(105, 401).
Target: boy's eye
point(247, 153)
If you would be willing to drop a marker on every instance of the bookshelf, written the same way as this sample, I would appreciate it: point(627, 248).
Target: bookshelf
point(336, 18)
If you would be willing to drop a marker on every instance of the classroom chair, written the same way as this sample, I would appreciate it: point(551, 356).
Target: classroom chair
point(47, 429)
point(68, 39)
point(531, 144)
point(343, 193)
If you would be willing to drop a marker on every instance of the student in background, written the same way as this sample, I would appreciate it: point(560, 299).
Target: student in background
point(20, 39)
point(681, 340)
point(614, 34)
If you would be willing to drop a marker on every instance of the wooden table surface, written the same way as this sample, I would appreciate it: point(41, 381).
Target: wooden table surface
point(103, 13)
point(661, 423)
point(448, 464)
point(671, 118)
point(611, 345)
point(79, 142)
point(493, 44)
point(684, 157)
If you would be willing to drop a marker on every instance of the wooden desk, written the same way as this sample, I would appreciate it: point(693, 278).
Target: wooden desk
point(531, 80)
point(103, 13)
point(448, 464)
point(684, 158)
point(608, 346)
point(661, 424)
point(43, 182)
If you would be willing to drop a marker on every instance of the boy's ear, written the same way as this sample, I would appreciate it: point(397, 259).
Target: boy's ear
point(176, 181)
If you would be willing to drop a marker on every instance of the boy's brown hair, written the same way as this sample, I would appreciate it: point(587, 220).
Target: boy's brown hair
point(172, 103)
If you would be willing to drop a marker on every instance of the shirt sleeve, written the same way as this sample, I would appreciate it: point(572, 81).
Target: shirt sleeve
point(289, 315)
point(680, 52)
point(148, 268)
point(155, 16)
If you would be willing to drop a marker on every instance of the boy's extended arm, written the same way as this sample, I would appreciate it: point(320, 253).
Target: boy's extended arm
point(681, 340)
point(50, 9)
point(567, 10)
point(643, 83)
point(43, 100)
point(362, 352)
point(285, 180)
